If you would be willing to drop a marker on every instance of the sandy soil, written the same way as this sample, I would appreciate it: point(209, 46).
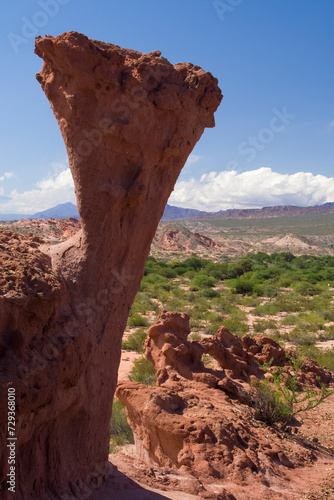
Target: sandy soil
point(126, 364)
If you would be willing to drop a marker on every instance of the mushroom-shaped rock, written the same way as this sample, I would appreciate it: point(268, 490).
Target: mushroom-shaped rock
point(129, 121)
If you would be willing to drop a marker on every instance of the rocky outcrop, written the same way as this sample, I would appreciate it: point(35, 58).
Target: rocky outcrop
point(199, 418)
point(177, 238)
point(129, 121)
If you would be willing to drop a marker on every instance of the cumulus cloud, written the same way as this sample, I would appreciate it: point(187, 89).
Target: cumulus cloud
point(57, 188)
point(6, 175)
point(212, 192)
point(252, 189)
point(193, 159)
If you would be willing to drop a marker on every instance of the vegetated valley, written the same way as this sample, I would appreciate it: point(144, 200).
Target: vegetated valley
point(287, 296)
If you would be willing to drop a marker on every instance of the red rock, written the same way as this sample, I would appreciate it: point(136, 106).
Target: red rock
point(200, 420)
point(129, 121)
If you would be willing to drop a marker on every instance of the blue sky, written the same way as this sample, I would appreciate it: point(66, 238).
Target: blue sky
point(274, 137)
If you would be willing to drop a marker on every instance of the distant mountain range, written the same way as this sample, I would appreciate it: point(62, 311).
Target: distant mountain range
point(247, 213)
point(66, 210)
point(180, 213)
point(61, 211)
point(266, 212)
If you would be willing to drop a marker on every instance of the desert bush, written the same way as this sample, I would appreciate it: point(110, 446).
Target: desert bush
point(247, 300)
point(290, 320)
point(167, 272)
point(279, 398)
point(181, 270)
point(270, 292)
point(153, 281)
point(236, 326)
point(285, 280)
point(195, 336)
point(263, 325)
point(239, 268)
point(202, 281)
point(269, 308)
point(218, 271)
point(143, 303)
point(279, 257)
point(211, 328)
point(210, 294)
point(269, 274)
point(120, 431)
point(243, 287)
point(305, 288)
point(290, 302)
point(143, 372)
point(195, 263)
point(326, 334)
point(299, 336)
point(137, 320)
point(134, 342)
point(308, 321)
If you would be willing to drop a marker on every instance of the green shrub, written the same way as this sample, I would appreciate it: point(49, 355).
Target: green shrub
point(209, 293)
point(143, 372)
point(300, 337)
point(243, 287)
point(218, 271)
point(235, 326)
point(290, 320)
point(134, 342)
point(305, 288)
point(326, 334)
point(262, 325)
point(194, 263)
point(137, 320)
point(239, 268)
point(279, 399)
point(266, 309)
point(120, 431)
point(268, 274)
point(181, 270)
point(195, 336)
point(202, 281)
point(289, 303)
point(270, 292)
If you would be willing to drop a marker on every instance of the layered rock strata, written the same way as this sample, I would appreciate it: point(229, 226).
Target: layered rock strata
point(129, 121)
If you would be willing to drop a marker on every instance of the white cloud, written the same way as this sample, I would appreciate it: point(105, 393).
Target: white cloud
point(252, 189)
point(212, 192)
point(6, 175)
point(57, 188)
point(193, 159)
point(331, 126)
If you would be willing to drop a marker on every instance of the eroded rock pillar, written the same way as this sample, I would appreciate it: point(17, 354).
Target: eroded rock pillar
point(129, 121)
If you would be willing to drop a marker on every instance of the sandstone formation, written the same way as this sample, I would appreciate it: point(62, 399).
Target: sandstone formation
point(129, 121)
point(177, 239)
point(200, 420)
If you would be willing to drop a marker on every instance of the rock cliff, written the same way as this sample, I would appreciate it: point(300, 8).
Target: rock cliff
point(129, 121)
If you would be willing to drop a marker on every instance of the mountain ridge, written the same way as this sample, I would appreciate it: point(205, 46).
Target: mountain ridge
point(171, 212)
point(60, 211)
